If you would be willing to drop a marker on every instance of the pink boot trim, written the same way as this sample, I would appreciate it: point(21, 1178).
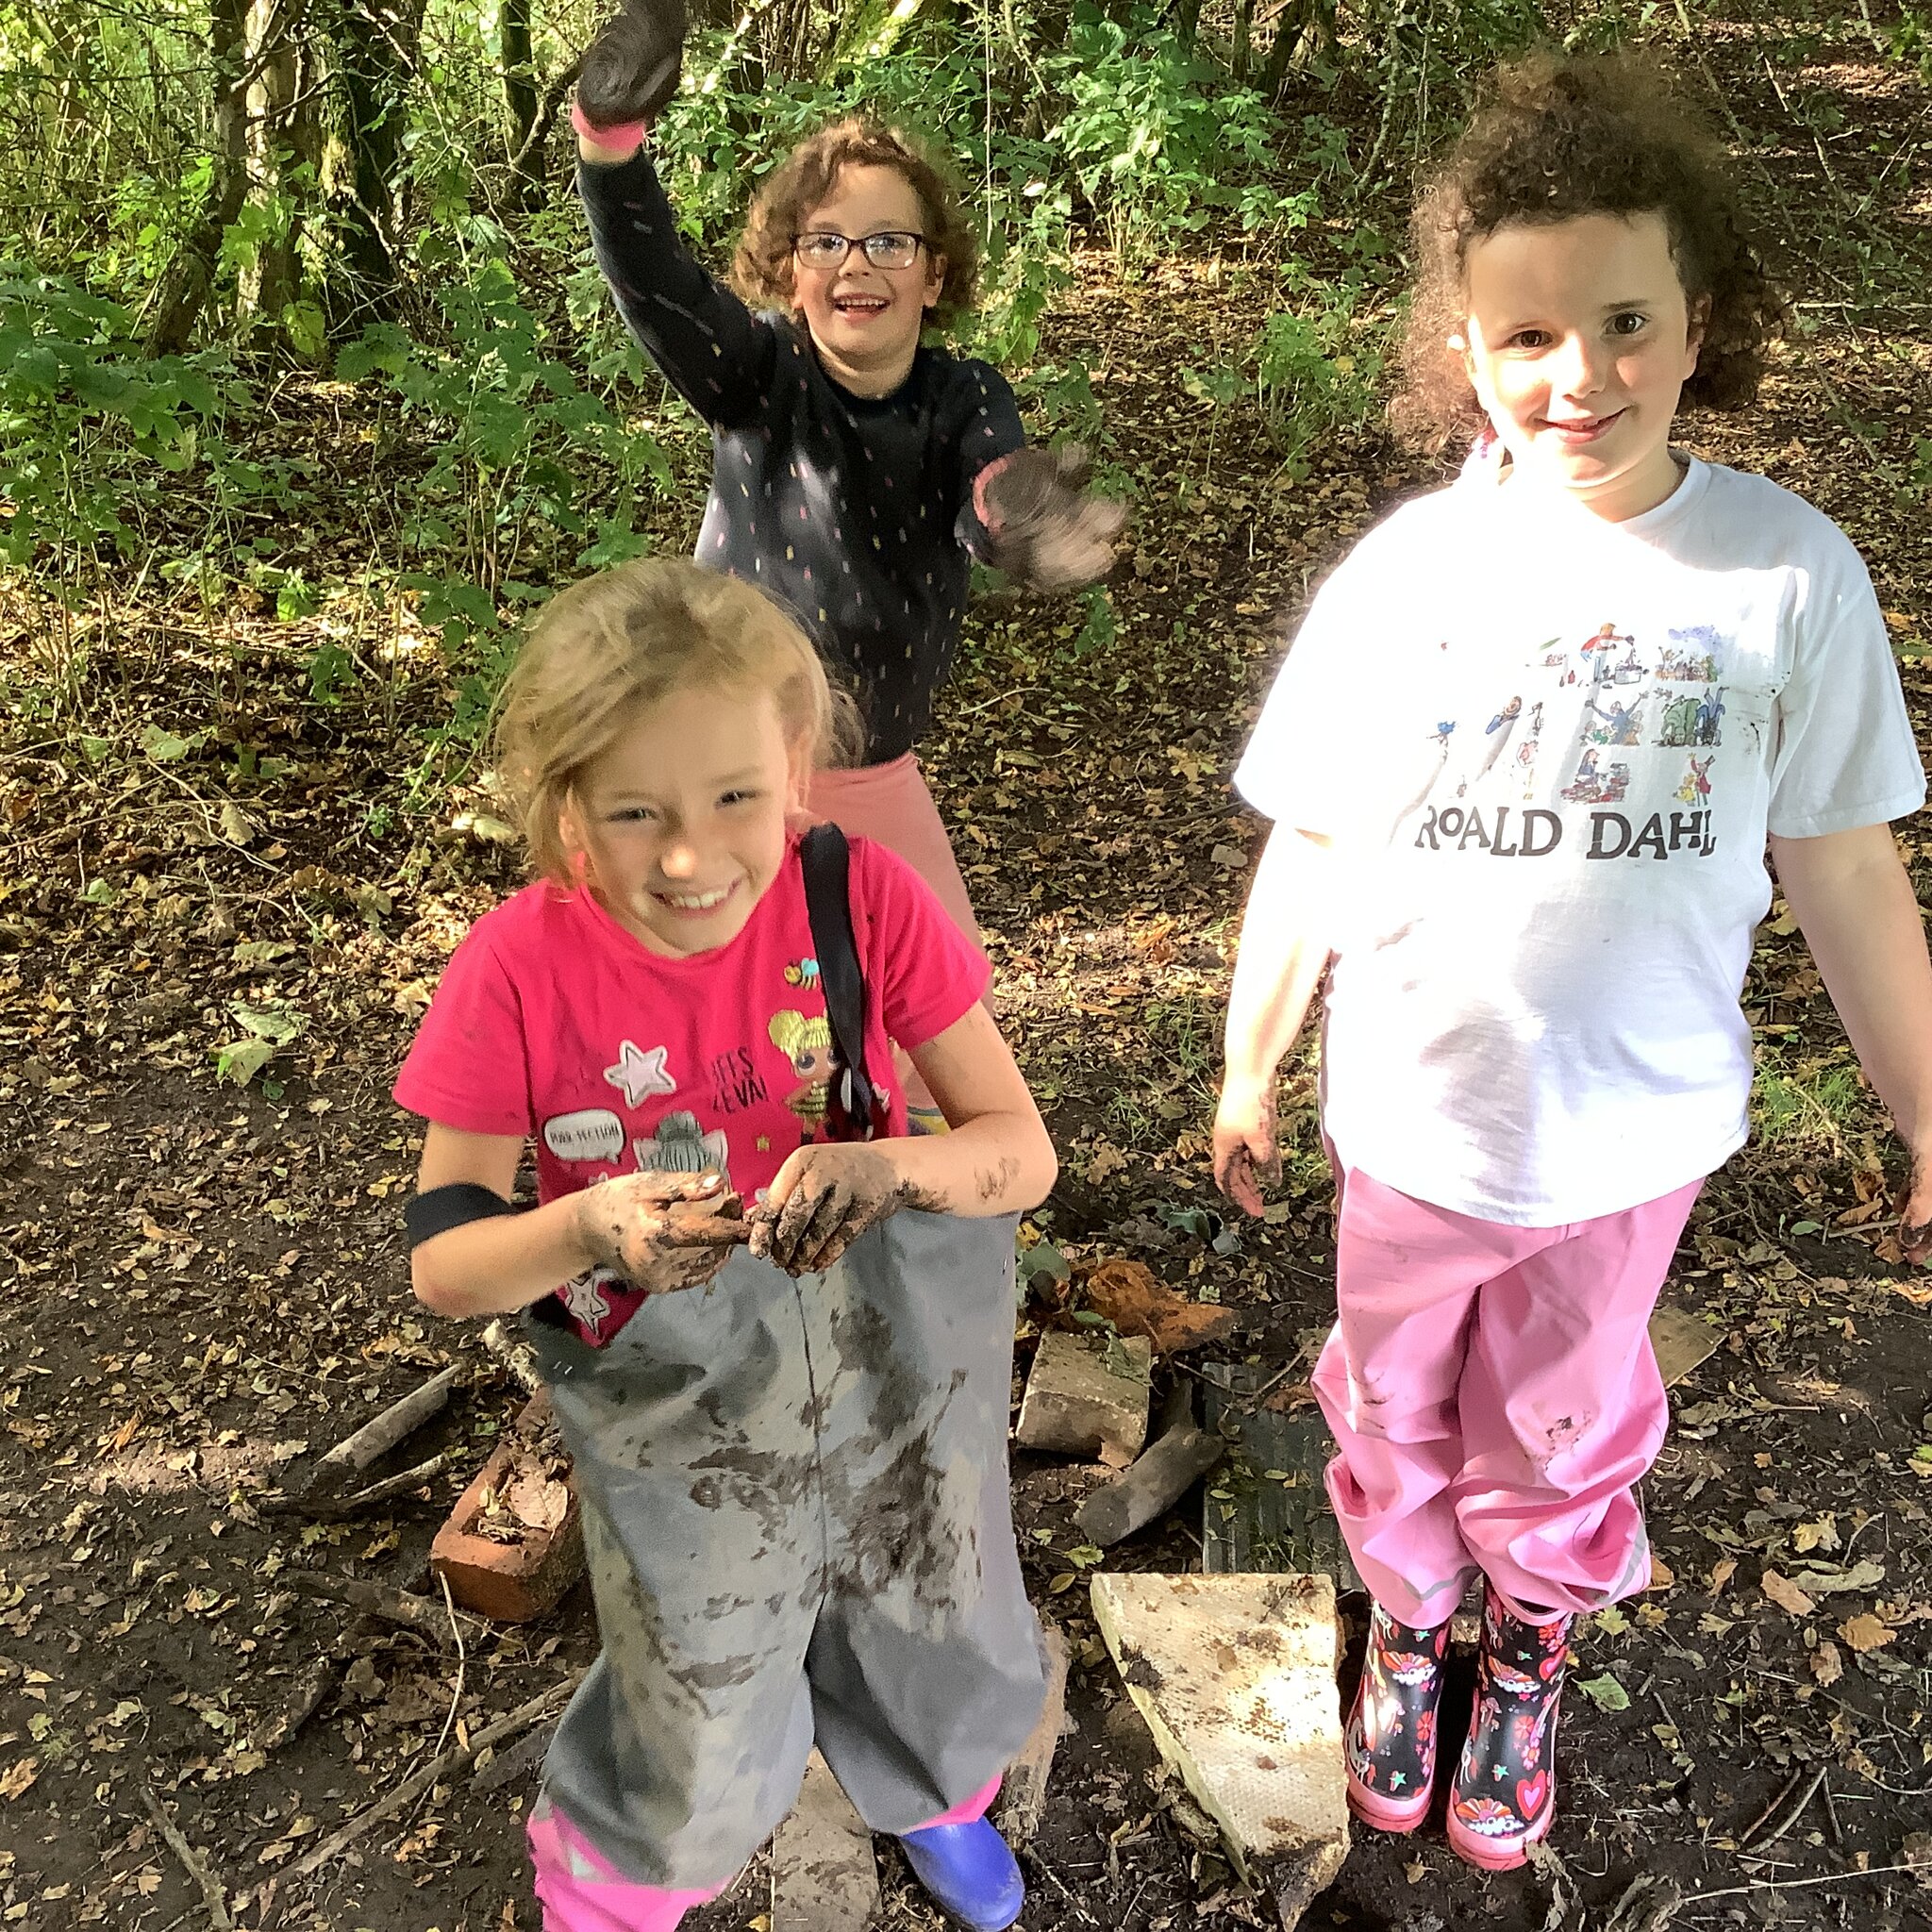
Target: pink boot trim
point(967, 1809)
point(580, 1891)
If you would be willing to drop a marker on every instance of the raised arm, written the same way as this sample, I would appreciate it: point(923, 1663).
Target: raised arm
point(996, 1158)
point(712, 350)
point(659, 1231)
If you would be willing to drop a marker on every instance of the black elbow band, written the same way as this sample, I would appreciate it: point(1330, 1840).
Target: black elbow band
point(439, 1210)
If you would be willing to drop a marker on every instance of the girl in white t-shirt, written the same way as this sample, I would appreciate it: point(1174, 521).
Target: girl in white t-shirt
point(1523, 762)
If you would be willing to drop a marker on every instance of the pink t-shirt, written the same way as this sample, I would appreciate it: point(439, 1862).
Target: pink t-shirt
point(551, 1021)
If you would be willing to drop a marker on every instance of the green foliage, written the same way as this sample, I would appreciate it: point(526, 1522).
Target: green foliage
point(93, 435)
point(1161, 142)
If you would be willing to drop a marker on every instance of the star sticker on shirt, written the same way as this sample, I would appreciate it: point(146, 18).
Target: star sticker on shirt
point(584, 1299)
point(639, 1074)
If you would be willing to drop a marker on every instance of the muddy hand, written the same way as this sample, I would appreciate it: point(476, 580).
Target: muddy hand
point(1245, 1151)
point(1915, 1215)
point(661, 1231)
point(824, 1199)
point(631, 69)
point(1047, 527)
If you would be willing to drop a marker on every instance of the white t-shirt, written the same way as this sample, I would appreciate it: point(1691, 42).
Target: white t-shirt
point(1548, 749)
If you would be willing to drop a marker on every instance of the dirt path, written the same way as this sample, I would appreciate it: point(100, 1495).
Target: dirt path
point(208, 1285)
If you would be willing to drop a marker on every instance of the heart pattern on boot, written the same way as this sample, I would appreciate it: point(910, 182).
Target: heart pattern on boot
point(1504, 1790)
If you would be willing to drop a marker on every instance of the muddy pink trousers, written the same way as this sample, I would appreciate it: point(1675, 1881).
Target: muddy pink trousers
point(580, 1891)
point(1495, 1400)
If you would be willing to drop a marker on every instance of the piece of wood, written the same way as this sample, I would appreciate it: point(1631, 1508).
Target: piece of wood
point(381, 1433)
point(419, 1614)
point(1077, 1403)
point(825, 1877)
point(1022, 1793)
point(518, 1358)
point(1154, 1484)
point(545, 1704)
point(523, 1759)
point(213, 1894)
point(1255, 1523)
point(1235, 1676)
point(325, 1508)
point(1682, 1339)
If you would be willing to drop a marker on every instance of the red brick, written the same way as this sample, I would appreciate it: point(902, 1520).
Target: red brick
point(508, 1582)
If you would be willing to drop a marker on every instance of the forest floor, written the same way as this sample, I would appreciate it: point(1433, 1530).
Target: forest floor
point(208, 1285)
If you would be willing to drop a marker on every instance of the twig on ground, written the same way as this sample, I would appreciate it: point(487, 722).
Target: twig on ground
point(432, 1774)
point(1764, 1817)
point(1700, 1898)
point(212, 1890)
point(456, 1630)
point(382, 1432)
point(376, 1600)
point(333, 1508)
point(1831, 1824)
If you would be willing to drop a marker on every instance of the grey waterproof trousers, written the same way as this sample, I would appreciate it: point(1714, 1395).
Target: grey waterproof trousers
point(799, 1530)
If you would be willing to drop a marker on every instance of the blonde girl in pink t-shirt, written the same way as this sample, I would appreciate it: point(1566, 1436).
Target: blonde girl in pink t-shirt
point(779, 1358)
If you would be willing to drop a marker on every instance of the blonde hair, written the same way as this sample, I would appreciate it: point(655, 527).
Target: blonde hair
point(608, 648)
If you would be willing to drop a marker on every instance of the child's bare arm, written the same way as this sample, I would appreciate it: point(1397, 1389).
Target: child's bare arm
point(661, 1231)
point(997, 1158)
point(1861, 917)
point(1284, 946)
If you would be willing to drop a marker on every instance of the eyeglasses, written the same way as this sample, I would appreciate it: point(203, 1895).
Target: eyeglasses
point(820, 248)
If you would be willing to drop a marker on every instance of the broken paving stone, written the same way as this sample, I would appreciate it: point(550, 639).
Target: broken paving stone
point(1079, 1402)
point(1155, 1483)
point(1236, 1679)
point(1681, 1339)
point(825, 1877)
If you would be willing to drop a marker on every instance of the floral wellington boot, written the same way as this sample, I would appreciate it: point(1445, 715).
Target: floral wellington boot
point(1390, 1742)
point(1505, 1793)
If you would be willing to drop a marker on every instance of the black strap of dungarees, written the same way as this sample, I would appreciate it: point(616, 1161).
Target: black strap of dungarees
point(826, 859)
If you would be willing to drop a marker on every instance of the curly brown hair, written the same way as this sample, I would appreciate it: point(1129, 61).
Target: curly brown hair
point(1558, 138)
point(808, 177)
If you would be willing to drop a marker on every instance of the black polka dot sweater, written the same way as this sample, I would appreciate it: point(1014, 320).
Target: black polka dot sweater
point(853, 512)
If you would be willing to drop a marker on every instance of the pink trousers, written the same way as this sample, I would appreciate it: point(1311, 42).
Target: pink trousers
point(580, 1891)
point(1494, 1399)
point(892, 804)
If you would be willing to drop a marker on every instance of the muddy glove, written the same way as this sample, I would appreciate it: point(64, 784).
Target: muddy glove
point(661, 1231)
point(1044, 525)
point(631, 70)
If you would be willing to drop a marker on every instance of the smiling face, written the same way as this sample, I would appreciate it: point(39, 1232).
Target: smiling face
point(865, 320)
point(682, 820)
point(1579, 339)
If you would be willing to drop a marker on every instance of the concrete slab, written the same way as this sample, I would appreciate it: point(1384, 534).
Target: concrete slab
point(1235, 1676)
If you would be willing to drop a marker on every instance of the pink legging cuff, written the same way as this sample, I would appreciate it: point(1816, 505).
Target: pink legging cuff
point(967, 1809)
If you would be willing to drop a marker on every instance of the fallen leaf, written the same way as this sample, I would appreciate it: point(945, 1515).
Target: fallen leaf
point(1866, 1633)
point(1787, 1595)
point(1661, 1576)
point(1827, 1666)
point(18, 1777)
point(1137, 1303)
point(1722, 1572)
point(1862, 1575)
point(1606, 1693)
